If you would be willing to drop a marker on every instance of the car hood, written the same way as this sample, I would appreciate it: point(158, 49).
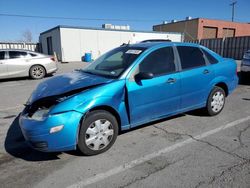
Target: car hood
point(59, 85)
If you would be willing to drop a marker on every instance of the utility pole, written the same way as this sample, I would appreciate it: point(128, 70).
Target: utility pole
point(233, 4)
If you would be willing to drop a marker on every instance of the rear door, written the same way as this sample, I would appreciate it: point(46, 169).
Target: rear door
point(18, 63)
point(153, 98)
point(3, 65)
point(196, 75)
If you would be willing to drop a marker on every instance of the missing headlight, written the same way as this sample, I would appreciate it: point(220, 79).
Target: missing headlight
point(40, 107)
point(40, 114)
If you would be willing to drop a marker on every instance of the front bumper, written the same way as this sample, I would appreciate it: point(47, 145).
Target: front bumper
point(38, 135)
point(245, 68)
point(245, 65)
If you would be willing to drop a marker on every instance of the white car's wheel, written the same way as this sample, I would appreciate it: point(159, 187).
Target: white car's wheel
point(37, 72)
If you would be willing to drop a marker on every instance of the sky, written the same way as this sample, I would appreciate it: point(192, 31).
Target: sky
point(139, 14)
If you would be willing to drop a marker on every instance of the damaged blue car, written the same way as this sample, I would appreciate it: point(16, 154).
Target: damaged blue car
point(124, 88)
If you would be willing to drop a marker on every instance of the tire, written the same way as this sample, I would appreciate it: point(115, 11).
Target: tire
point(98, 132)
point(37, 72)
point(216, 101)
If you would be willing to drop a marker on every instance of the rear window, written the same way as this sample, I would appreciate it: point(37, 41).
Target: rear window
point(17, 54)
point(190, 57)
point(2, 55)
point(210, 58)
point(33, 55)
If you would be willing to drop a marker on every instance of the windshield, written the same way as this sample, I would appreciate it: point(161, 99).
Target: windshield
point(115, 62)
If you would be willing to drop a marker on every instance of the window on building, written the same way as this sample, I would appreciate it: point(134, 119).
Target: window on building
point(190, 57)
point(49, 45)
point(209, 32)
point(159, 62)
point(228, 32)
point(2, 55)
point(17, 54)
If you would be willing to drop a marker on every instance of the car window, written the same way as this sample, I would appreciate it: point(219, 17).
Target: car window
point(17, 54)
point(32, 55)
point(210, 58)
point(2, 55)
point(115, 62)
point(190, 57)
point(159, 62)
point(115, 59)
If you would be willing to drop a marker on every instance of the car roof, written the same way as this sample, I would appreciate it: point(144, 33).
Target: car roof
point(156, 44)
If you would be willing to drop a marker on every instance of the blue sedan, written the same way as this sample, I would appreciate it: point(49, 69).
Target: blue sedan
point(125, 88)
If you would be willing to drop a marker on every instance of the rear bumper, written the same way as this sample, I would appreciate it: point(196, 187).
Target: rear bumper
point(52, 70)
point(51, 67)
point(233, 84)
point(37, 133)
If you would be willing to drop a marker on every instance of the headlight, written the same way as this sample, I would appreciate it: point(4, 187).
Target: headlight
point(40, 114)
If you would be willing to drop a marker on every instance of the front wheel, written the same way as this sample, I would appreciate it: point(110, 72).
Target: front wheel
point(98, 132)
point(216, 101)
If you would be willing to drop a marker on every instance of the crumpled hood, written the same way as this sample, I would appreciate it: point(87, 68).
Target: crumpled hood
point(64, 83)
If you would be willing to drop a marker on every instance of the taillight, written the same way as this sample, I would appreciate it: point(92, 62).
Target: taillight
point(52, 58)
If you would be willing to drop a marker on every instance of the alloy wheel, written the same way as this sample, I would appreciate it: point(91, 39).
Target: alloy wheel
point(37, 72)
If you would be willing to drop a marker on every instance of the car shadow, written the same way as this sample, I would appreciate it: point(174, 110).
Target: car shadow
point(14, 79)
point(151, 123)
point(17, 147)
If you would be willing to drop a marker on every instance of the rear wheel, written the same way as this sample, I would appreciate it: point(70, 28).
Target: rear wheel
point(37, 72)
point(216, 101)
point(98, 132)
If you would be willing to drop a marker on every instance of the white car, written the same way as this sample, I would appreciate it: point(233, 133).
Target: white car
point(22, 63)
point(245, 63)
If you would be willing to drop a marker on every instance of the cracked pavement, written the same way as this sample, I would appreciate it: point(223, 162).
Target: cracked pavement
point(221, 159)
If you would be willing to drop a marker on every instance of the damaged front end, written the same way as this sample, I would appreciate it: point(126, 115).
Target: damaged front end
point(45, 130)
point(39, 110)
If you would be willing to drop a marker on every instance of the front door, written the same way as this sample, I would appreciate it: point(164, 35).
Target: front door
point(154, 98)
point(18, 63)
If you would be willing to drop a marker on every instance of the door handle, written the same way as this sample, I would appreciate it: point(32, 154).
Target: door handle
point(205, 71)
point(171, 80)
point(1, 62)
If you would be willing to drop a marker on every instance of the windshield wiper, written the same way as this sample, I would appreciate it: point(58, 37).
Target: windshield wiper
point(88, 72)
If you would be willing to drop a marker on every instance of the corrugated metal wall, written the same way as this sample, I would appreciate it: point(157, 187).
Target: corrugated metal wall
point(20, 45)
point(232, 47)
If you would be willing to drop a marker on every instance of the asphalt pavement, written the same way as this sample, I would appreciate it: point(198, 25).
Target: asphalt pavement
point(188, 150)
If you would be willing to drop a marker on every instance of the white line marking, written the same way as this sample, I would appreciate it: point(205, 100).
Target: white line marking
point(131, 164)
point(12, 108)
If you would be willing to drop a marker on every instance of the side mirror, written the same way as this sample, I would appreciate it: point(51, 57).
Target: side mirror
point(144, 76)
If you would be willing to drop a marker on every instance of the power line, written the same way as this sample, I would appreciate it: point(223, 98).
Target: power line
point(77, 18)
